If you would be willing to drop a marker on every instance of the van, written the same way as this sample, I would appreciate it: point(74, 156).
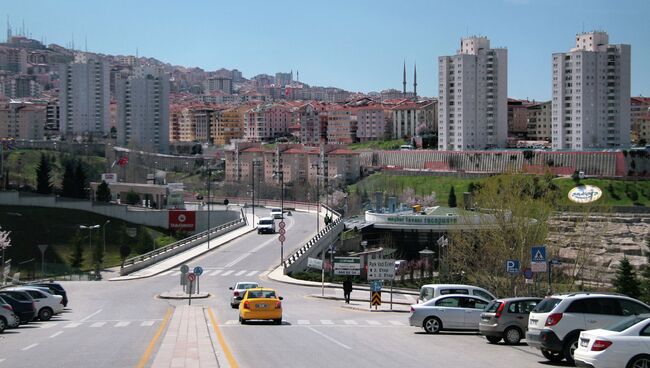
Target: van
point(276, 213)
point(434, 290)
point(266, 225)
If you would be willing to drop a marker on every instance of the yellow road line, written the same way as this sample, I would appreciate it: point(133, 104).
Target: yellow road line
point(222, 342)
point(147, 353)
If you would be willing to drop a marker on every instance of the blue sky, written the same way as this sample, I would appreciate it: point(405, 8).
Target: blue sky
point(358, 45)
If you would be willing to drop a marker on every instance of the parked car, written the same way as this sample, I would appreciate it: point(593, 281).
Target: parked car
point(22, 303)
point(430, 291)
point(448, 312)
point(55, 288)
point(506, 319)
point(238, 291)
point(260, 303)
point(266, 225)
point(555, 324)
point(276, 213)
point(47, 304)
point(624, 344)
point(8, 319)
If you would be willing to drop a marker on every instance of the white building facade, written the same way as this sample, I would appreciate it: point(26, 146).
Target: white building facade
point(591, 95)
point(473, 97)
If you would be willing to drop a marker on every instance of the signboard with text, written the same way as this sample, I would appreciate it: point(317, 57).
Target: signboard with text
point(109, 177)
point(347, 266)
point(182, 220)
point(381, 269)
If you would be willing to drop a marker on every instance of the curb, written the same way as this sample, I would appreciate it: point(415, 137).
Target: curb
point(330, 297)
point(183, 296)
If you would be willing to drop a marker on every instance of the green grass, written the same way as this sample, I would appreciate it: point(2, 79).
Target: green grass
point(381, 145)
point(623, 189)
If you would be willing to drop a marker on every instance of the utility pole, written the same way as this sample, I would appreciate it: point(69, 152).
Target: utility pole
point(208, 202)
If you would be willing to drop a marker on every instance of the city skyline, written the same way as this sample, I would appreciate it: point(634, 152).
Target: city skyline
point(361, 30)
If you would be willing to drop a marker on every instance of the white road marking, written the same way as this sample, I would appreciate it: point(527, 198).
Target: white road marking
point(55, 334)
point(176, 273)
point(98, 324)
point(49, 325)
point(252, 273)
point(303, 322)
point(240, 273)
point(329, 338)
point(122, 324)
point(231, 322)
point(29, 347)
point(326, 322)
point(396, 323)
point(350, 322)
point(72, 325)
point(227, 273)
point(92, 315)
point(373, 323)
point(409, 298)
point(147, 323)
point(166, 273)
point(237, 260)
point(2, 360)
point(215, 273)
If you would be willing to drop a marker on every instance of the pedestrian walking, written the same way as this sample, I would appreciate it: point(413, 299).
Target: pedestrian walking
point(347, 290)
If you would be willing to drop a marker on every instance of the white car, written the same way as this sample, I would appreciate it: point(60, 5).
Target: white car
point(46, 304)
point(8, 319)
point(429, 291)
point(625, 344)
point(239, 290)
point(276, 213)
point(448, 312)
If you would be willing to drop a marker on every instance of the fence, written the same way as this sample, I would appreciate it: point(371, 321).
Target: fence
point(144, 260)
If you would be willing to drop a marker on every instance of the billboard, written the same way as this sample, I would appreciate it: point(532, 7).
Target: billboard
point(182, 220)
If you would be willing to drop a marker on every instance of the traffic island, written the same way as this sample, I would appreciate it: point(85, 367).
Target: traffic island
point(364, 304)
point(181, 295)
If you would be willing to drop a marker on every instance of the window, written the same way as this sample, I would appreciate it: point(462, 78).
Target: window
point(646, 331)
point(453, 291)
point(547, 305)
point(472, 303)
point(629, 307)
point(482, 294)
point(448, 302)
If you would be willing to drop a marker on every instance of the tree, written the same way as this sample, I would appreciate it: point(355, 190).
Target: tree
point(76, 259)
point(79, 181)
point(451, 201)
point(132, 198)
point(145, 242)
point(125, 251)
point(645, 280)
point(103, 192)
point(43, 176)
point(626, 281)
point(5, 242)
point(68, 182)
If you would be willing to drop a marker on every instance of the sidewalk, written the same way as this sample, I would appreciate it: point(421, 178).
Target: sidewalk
point(183, 257)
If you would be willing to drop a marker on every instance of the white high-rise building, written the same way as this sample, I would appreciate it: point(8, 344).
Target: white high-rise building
point(143, 112)
point(591, 94)
point(84, 98)
point(473, 97)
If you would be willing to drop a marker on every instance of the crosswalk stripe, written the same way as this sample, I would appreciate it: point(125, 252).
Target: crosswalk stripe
point(98, 324)
point(303, 322)
point(122, 324)
point(396, 323)
point(231, 322)
point(215, 273)
point(166, 273)
point(252, 273)
point(147, 323)
point(49, 325)
point(350, 322)
point(373, 323)
point(240, 273)
point(227, 273)
point(72, 325)
point(326, 322)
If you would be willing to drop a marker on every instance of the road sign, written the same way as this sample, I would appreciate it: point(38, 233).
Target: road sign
point(350, 266)
point(191, 277)
point(282, 238)
point(198, 270)
point(512, 266)
point(381, 269)
point(42, 247)
point(529, 281)
point(375, 298)
point(528, 273)
point(282, 231)
point(538, 259)
point(185, 268)
point(375, 285)
point(314, 263)
point(282, 224)
point(555, 262)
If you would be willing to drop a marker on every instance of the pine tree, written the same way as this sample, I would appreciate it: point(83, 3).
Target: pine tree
point(626, 281)
point(79, 181)
point(103, 192)
point(451, 201)
point(43, 176)
point(645, 279)
point(68, 183)
point(76, 259)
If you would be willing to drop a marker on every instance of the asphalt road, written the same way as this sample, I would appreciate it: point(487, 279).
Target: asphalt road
point(111, 324)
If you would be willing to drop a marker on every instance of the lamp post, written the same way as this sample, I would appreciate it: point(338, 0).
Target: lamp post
point(255, 163)
point(90, 234)
point(317, 166)
point(280, 174)
point(104, 233)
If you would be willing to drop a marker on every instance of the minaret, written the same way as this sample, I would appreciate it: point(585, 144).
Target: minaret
point(404, 79)
point(8, 30)
point(415, 82)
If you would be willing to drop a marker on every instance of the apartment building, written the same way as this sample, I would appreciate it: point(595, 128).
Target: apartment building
point(539, 122)
point(341, 125)
point(473, 90)
point(311, 116)
point(591, 94)
point(518, 118)
point(409, 116)
point(230, 125)
point(639, 109)
point(22, 120)
point(371, 122)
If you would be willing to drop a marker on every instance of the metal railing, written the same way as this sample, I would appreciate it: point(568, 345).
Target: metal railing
point(189, 239)
point(295, 256)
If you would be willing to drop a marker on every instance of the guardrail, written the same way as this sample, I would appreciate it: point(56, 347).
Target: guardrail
point(174, 248)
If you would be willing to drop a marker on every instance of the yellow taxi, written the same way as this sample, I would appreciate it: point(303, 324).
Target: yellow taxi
point(260, 303)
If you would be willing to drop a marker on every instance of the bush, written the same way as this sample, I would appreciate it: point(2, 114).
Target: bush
point(132, 198)
point(631, 193)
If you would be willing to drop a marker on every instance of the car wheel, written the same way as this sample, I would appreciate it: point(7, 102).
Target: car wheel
point(493, 339)
point(278, 321)
point(3, 324)
point(242, 321)
point(639, 361)
point(512, 336)
point(45, 314)
point(432, 325)
point(569, 349)
point(553, 356)
point(233, 305)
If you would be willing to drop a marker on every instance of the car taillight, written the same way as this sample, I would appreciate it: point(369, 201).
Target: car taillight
point(246, 305)
point(236, 293)
point(553, 319)
point(499, 310)
point(278, 305)
point(600, 345)
point(8, 307)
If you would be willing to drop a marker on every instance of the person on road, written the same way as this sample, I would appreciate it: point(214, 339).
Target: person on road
point(347, 290)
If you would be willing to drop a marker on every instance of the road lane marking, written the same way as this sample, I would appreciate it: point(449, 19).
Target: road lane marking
point(231, 359)
point(396, 323)
point(55, 334)
point(122, 324)
point(92, 315)
point(166, 273)
point(147, 353)
point(147, 323)
point(326, 322)
point(98, 324)
point(227, 273)
point(2, 360)
point(29, 347)
point(49, 325)
point(303, 322)
point(72, 325)
point(330, 339)
point(373, 323)
point(237, 260)
point(232, 322)
point(350, 322)
point(240, 273)
point(252, 273)
point(215, 273)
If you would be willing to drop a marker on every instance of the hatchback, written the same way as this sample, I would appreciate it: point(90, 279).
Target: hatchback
point(22, 303)
point(8, 319)
point(506, 319)
point(47, 304)
point(448, 312)
point(55, 288)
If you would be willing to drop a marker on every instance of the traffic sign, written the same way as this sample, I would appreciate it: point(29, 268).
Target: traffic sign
point(528, 273)
point(198, 270)
point(185, 268)
point(282, 238)
point(555, 262)
point(381, 269)
point(538, 254)
point(375, 298)
point(282, 231)
point(350, 266)
point(512, 266)
point(375, 285)
point(314, 263)
point(191, 277)
point(282, 224)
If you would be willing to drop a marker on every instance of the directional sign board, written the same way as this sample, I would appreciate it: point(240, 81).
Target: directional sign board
point(512, 266)
point(349, 266)
point(375, 285)
point(538, 259)
point(314, 263)
point(198, 270)
point(375, 298)
point(381, 269)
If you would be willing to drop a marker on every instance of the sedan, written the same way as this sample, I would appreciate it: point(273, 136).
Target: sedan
point(448, 312)
point(260, 303)
point(624, 344)
point(238, 292)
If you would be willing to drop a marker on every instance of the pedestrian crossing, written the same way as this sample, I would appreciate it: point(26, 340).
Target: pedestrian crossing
point(328, 322)
point(99, 324)
point(220, 272)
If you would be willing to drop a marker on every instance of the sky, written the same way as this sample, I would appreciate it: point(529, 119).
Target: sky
point(358, 45)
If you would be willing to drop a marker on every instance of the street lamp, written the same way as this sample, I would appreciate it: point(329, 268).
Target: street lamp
point(317, 166)
point(208, 170)
point(90, 234)
point(280, 174)
point(104, 233)
point(255, 163)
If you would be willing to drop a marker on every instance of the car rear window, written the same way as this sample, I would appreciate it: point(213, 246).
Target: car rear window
point(266, 222)
point(246, 286)
point(493, 306)
point(254, 294)
point(546, 305)
point(626, 323)
point(454, 291)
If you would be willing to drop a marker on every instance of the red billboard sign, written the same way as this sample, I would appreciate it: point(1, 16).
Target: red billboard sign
point(182, 220)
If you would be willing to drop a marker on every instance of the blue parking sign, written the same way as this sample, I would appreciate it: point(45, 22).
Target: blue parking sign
point(512, 266)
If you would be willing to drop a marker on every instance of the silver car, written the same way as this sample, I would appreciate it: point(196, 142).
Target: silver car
point(507, 319)
point(448, 312)
point(239, 290)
